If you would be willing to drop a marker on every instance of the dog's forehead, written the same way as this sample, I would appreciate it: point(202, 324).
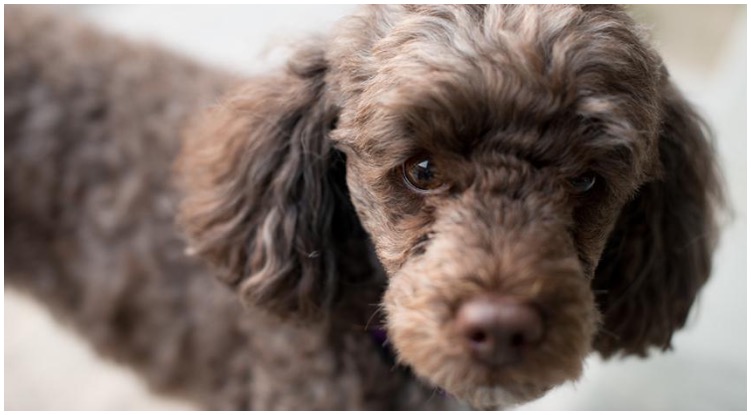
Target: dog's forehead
point(451, 75)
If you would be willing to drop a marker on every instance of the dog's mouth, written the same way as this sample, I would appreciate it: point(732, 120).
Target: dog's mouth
point(499, 398)
point(486, 386)
point(492, 396)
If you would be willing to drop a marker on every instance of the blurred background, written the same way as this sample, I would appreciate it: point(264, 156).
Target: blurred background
point(47, 367)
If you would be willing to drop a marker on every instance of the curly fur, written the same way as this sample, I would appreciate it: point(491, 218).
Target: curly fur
point(291, 187)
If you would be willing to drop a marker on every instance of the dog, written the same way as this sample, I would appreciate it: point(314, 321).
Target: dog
point(432, 200)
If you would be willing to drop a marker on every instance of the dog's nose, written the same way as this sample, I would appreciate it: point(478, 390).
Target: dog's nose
point(497, 330)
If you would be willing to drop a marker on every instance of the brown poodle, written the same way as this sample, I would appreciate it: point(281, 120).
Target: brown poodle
point(489, 192)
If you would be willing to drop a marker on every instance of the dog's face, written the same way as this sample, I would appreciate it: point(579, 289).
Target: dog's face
point(488, 157)
point(522, 172)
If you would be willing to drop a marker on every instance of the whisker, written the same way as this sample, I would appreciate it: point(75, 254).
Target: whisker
point(372, 316)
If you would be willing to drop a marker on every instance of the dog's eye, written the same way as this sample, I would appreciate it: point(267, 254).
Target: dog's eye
point(583, 183)
point(421, 174)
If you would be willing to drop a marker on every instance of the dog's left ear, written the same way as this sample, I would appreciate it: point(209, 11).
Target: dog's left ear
point(660, 252)
point(264, 191)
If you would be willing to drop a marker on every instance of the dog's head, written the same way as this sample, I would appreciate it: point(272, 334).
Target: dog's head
point(532, 183)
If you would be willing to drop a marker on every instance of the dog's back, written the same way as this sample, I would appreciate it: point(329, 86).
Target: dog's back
point(92, 125)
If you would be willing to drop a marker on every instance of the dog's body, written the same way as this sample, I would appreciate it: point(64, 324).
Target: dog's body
point(91, 231)
point(93, 126)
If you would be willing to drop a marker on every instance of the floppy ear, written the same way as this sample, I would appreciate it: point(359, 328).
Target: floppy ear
point(660, 252)
point(265, 198)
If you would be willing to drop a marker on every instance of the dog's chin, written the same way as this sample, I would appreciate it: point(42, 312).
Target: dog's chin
point(500, 398)
point(485, 388)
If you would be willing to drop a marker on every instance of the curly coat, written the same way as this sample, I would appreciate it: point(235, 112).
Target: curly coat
point(291, 186)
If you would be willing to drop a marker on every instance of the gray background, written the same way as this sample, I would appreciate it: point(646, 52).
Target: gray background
point(47, 367)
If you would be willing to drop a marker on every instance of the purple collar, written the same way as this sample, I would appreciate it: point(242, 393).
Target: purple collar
point(379, 336)
point(376, 328)
point(381, 339)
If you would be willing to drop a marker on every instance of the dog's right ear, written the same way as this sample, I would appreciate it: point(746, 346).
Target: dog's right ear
point(264, 190)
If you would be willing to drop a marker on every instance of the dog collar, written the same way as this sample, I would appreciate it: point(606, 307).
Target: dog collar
point(380, 338)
